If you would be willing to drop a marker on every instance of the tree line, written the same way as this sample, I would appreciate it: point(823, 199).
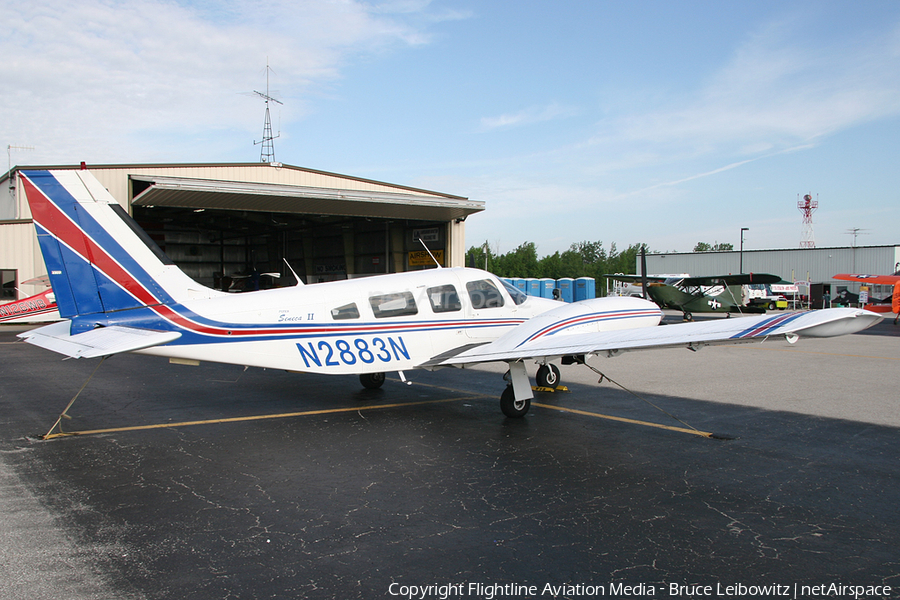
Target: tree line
point(582, 259)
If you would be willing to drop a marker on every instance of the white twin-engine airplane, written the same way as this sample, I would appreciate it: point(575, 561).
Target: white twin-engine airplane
point(120, 293)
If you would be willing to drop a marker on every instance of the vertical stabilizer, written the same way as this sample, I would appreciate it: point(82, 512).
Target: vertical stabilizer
point(98, 259)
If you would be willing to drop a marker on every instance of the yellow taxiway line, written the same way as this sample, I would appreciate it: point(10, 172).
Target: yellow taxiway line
point(327, 411)
point(249, 418)
point(624, 420)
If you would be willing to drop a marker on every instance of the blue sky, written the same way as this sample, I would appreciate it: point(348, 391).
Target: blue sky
point(667, 123)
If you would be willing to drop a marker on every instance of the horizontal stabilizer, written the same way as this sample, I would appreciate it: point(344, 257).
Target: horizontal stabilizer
point(102, 341)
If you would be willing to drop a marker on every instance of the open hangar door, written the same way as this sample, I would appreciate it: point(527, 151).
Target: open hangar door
point(238, 250)
point(229, 234)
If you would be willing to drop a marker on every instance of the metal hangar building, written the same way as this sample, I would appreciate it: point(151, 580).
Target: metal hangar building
point(814, 265)
point(218, 221)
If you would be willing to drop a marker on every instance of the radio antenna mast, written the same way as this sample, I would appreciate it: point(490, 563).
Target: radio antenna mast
point(267, 152)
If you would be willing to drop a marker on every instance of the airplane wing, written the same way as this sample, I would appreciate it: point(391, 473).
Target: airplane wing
point(523, 342)
point(635, 278)
point(881, 279)
point(739, 279)
point(102, 341)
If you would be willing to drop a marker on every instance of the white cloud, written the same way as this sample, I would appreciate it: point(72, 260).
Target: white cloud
point(91, 79)
point(781, 89)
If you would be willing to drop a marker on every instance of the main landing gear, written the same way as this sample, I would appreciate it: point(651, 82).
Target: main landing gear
point(512, 408)
point(515, 401)
point(372, 381)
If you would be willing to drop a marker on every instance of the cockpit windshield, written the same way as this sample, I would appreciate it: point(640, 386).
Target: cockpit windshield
point(518, 295)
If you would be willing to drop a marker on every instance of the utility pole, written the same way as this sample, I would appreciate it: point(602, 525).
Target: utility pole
point(743, 229)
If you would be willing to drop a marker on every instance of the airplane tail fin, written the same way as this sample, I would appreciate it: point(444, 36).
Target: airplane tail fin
point(98, 259)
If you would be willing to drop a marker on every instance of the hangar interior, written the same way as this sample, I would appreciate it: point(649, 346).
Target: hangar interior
point(243, 247)
point(230, 225)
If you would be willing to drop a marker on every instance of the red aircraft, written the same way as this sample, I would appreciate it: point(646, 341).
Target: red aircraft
point(34, 309)
point(893, 280)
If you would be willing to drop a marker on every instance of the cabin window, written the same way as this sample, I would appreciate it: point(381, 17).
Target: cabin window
point(443, 298)
point(484, 294)
point(8, 284)
point(400, 304)
point(517, 295)
point(348, 311)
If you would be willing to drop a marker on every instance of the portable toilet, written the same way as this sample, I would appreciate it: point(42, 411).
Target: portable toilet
point(519, 283)
point(533, 286)
point(547, 286)
point(585, 288)
point(566, 285)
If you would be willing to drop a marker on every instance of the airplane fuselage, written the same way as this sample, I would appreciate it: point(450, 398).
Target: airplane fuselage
point(365, 325)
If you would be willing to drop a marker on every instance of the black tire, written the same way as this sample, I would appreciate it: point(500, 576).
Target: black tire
point(512, 408)
point(547, 376)
point(372, 381)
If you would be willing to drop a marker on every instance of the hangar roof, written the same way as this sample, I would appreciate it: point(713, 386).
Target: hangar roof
point(268, 187)
point(283, 198)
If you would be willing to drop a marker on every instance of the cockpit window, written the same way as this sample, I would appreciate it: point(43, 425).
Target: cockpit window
point(518, 295)
point(393, 305)
point(348, 311)
point(443, 298)
point(484, 294)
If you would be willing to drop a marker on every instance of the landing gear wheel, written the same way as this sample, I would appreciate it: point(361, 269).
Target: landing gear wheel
point(547, 376)
point(372, 381)
point(512, 408)
point(688, 317)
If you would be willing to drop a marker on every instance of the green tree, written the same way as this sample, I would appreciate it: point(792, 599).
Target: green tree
point(521, 262)
point(717, 247)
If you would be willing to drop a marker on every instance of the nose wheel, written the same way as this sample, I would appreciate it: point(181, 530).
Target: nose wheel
point(547, 376)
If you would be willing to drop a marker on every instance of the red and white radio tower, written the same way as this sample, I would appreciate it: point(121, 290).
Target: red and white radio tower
point(807, 206)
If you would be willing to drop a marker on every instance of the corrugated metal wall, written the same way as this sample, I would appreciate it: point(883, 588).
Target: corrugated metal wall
point(18, 243)
point(816, 264)
point(19, 250)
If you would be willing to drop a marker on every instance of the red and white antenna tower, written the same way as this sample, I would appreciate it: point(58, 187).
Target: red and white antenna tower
point(807, 206)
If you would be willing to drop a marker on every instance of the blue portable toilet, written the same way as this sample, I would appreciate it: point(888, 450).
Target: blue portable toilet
point(519, 283)
point(547, 286)
point(533, 286)
point(566, 291)
point(585, 288)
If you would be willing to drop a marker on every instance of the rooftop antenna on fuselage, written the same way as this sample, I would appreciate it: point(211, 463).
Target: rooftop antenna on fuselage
point(424, 245)
point(267, 152)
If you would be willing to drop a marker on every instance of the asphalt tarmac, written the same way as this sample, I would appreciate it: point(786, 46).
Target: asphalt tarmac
point(216, 482)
